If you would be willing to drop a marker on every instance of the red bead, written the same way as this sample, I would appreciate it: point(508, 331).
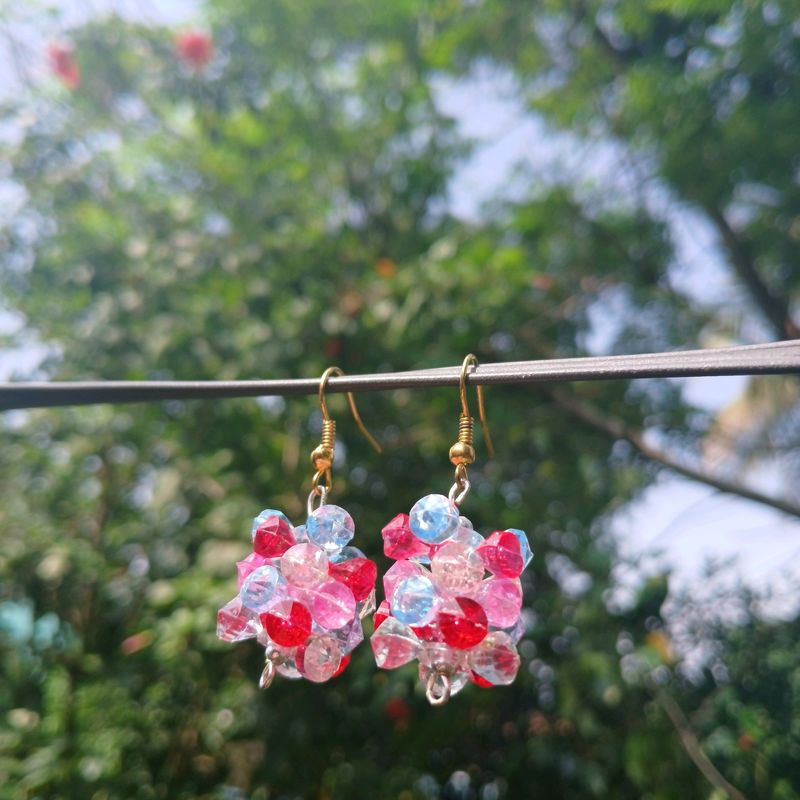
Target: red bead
point(274, 537)
point(358, 574)
point(466, 629)
point(478, 681)
point(289, 629)
point(502, 555)
point(195, 48)
point(381, 614)
point(429, 633)
point(399, 542)
point(342, 664)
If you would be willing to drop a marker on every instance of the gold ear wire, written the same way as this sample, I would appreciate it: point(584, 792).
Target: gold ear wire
point(323, 454)
point(463, 451)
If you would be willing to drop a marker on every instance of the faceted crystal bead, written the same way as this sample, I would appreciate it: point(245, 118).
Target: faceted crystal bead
point(430, 632)
point(524, 546)
point(414, 600)
point(397, 572)
point(300, 534)
point(457, 569)
point(288, 624)
point(283, 657)
point(248, 565)
point(516, 631)
point(305, 565)
point(381, 614)
point(434, 518)
point(502, 555)
point(399, 542)
point(501, 599)
point(331, 527)
point(366, 606)
point(319, 660)
point(349, 637)
point(346, 554)
point(394, 644)
point(495, 659)
point(465, 629)
point(262, 588)
point(342, 666)
point(235, 623)
point(478, 681)
point(466, 534)
point(264, 516)
point(273, 537)
point(333, 605)
point(358, 574)
point(437, 656)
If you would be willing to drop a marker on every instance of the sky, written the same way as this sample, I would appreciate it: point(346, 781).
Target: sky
point(676, 522)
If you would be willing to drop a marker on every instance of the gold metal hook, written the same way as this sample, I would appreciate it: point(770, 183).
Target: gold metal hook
point(463, 451)
point(350, 401)
point(323, 454)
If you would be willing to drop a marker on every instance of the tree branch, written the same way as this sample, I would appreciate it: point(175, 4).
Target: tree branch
point(618, 429)
point(693, 748)
point(775, 309)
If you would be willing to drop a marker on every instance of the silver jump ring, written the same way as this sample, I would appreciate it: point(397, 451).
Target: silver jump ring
point(457, 496)
point(317, 491)
point(267, 674)
point(437, 687)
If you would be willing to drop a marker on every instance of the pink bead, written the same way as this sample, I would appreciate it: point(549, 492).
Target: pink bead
point(236, 623)
point(399, 571)
point(305, 565)
point(319, 660)
point(457, 569)
point(248, 565)
point(399, 542)
point(501, 599)
point(502, 555)
point(394, 644)
point(333, 605)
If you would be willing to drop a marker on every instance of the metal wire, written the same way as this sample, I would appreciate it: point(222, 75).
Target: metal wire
point(758, 359)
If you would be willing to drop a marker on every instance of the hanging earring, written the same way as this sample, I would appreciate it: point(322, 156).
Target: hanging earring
point(304, 591)
point(459, 624)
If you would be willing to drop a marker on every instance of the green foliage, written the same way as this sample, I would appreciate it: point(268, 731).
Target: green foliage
point(283, 209)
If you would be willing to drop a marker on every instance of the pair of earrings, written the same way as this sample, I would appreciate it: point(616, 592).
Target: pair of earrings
point(452, 598)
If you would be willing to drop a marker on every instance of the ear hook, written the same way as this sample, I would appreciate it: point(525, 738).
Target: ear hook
point(462, 452)
point(469, 361)
point(323, 404)
point(323, 454)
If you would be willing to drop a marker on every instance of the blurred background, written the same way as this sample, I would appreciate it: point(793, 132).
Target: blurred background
point(259, 189)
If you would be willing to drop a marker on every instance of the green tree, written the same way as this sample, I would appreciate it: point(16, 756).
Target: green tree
point(280, 209)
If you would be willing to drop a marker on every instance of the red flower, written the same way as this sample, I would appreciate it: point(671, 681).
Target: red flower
point(195, 48)
point(61, 58)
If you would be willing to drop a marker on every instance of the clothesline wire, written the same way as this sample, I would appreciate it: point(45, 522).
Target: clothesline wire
point(772, 358)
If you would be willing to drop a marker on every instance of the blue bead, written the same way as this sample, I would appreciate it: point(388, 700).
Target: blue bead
point(524, 546)
point(330, 527)
point(264, 515)
point(433, 519)
point(414, 600)
point(262, 588)
point(346, 554)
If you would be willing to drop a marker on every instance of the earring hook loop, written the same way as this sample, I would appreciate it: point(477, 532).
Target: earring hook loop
point(323, 404)
point(472, 361)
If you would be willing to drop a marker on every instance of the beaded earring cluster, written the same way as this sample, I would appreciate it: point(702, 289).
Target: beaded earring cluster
point(304, 591)
point(453, 597)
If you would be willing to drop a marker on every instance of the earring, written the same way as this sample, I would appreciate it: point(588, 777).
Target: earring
point(440, 607)
point(304, 591)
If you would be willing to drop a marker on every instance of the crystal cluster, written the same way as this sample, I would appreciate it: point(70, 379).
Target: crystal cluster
point(453, 597)
point(303, 592)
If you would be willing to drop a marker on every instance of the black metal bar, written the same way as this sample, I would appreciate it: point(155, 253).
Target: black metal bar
point(773, 358)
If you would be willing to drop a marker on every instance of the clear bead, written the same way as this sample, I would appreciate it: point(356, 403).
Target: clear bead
point(495, 659)
point(394, 644)
point(457, 569)
point(434, 518)
point(262, 588)
point(414, 600)
point(331, 527)
point(305, 565)
point(321, 658)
